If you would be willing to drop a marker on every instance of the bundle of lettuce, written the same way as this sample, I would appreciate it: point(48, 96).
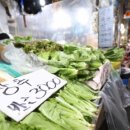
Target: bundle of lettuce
point(69, 60)
point(114, 54)
point(73, 107)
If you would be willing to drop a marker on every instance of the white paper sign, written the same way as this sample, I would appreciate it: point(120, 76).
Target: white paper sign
point(20, 96)
point(100, 76)
point(106, 27)
point(103, 74)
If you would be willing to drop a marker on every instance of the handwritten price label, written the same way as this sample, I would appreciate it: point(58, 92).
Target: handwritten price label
point(20, 96)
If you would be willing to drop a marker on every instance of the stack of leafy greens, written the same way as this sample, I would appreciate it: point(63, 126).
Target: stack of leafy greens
point(73, 107)
point(18, 40)
point(75, 62)
point(114, 54)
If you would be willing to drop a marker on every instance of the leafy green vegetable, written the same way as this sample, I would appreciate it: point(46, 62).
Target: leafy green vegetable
point(52, 69)
point(65, 117)
point(69, 72)
point(15, 126)
point(38, 46)
point(2, 117)
point(38, 120)
point(70, 48)
point(72, 60)
point(18, 40)
point(85, 107)
point(79, 65)
point(95, 64)
point(81, 90)
point(72, 108)
point(114, 54)
point(44, 55)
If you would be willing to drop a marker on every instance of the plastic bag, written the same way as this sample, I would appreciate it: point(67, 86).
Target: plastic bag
point(20, 61)
point(115, 113)
point(123, 91)
point(9, 69)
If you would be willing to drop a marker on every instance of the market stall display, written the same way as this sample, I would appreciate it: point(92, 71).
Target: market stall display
point(73, 107)
point(67, 31)
point(67, 60)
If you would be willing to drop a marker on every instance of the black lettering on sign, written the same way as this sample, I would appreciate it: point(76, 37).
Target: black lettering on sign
point(2, 86)
point(11, 90)
point(26, 100)
point(38, 91)
point(14, 106)
point(42, 89)
point(52, 84)
point(22, 82)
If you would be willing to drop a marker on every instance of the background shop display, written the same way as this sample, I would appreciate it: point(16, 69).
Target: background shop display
point(64, 103)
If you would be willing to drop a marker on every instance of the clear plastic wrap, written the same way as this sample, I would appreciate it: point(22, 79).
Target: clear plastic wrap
point(113, 99)
point(123, 91)
point(20, 61)
point(3, 20)
point(64, 21)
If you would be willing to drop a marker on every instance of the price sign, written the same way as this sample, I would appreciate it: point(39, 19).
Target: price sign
point(20, 96)
point(100, 76)
point(104, 73)
point(106, 24)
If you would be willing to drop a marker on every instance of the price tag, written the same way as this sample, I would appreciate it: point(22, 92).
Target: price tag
point(105, 72)
point(20, 96)
point(100, 76)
